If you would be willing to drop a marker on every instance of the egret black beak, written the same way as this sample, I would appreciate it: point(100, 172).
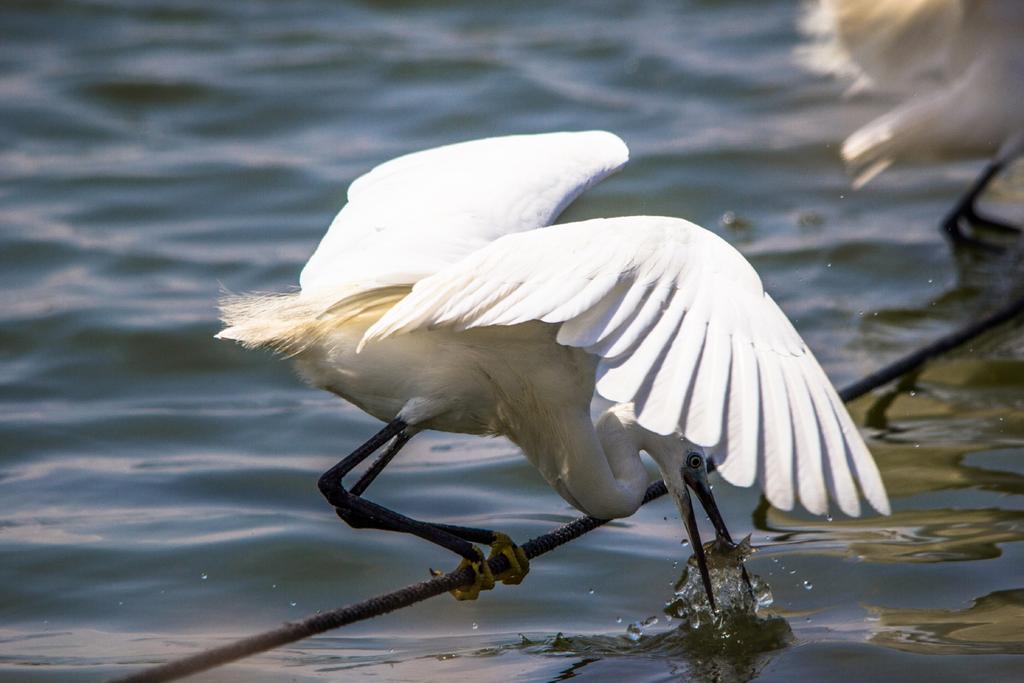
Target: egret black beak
point(695, 477)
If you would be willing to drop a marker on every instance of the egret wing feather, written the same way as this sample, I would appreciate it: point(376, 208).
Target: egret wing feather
point(412, 216)
point(683, 329)
point(743, 428)
point(704, 418)
point(624, 338)
point(807, 435)
point(590, 326)
point(776, 461)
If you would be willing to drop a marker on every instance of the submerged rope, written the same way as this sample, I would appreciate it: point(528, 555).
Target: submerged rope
point(389, 602)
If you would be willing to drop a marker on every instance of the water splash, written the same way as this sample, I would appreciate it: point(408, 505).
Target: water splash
point(635, 631)
point(736, 600)
point(732, 644)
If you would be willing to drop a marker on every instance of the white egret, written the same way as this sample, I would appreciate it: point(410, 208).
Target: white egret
point(961, 65)
point(440, 299)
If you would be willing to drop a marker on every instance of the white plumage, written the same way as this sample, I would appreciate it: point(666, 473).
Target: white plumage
point(960, 64)
point(411, 216)
point(440, 296)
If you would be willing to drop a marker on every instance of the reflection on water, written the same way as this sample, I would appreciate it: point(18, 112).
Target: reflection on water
point(699, 655)
point(732, 644)
point(911, 470)
point(926, 532)
point(994, 624)
point(942, 535)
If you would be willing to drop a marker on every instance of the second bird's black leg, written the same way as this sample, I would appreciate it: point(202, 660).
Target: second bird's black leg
point(962, 221)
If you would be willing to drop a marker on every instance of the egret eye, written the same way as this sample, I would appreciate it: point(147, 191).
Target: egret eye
point(694, 461)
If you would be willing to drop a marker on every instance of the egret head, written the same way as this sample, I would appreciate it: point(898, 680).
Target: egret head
point(695, 473)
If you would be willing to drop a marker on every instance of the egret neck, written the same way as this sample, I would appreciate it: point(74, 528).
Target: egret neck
point(683, 466)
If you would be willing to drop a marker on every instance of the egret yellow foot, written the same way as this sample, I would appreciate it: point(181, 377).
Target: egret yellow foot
point(483, 579)
point(518, 563)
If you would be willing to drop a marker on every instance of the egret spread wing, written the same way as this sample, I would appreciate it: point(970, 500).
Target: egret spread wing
point(684, 330)
point(414, 215)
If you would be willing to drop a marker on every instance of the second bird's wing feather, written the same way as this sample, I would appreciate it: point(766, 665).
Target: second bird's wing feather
point(684, 330)
point(885, 43)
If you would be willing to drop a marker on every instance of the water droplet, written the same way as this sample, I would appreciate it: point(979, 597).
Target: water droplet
point(808, 585)
point(636, 630)
point(475, 626)
point(273, 585)
point(120, 602)
point(591, 591)
point(930, 280)
point(828, 265)
point(792, 571)
point(619, 620)
point(828, 518)
point(762, 594)
point(293, 604)
point(809, 219)
point(912, 393)
point(203, 576)
point(729, 219)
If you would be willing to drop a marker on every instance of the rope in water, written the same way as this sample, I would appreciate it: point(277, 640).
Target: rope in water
point(382, 604)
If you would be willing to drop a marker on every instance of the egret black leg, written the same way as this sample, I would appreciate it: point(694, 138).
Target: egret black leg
point(360, 513)
point(380, 463)
point(964, 218)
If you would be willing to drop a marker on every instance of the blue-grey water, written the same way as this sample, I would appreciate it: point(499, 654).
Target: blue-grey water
point(158, 487)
